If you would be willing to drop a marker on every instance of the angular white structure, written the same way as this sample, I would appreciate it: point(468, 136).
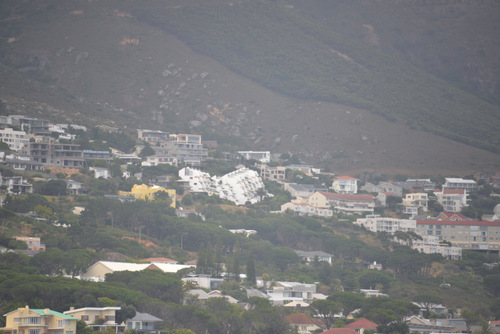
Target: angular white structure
point(239, 186)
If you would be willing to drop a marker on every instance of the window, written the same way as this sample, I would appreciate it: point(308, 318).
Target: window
point(34, 331)
point(32, 321)
point(474, 228)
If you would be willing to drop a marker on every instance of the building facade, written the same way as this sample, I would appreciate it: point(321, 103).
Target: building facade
point(38, 321)
point(345, 185)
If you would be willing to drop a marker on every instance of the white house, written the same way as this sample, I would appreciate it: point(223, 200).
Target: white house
point(452, 200)
point(285, 292)
point(459, 183)
point(345, 185)
point(375, 223)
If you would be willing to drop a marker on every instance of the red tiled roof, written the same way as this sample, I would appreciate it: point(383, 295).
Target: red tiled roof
point(457, 222)
point(495, 322)
point(300, 319)
point(348, 197)
point(340, 331)
point(346, 178)
point(362, 323)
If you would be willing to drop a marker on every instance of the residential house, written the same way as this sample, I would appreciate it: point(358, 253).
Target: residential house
point(419, 325)
point(97, 155)
point(98, 318)
point(459, 183)
point(143, 323)
point(33, 243)
point(28, 124)
point(38, 321)
point(452, 200)
point(204, 281)
point(417, 184)
point(16, 140)
point(50, 152)
point(22, 162)
point(159, 260)
point(306, 169)
point(16, 185)
point(153, 137)
point(272, 173)
point(361, 325)
point(75, 187)
point(345, 185)
point(343, 203)
point(382, 197)
point(303, 190)
point(145, 192)
point(432, 307)
point(372, 293)
point(100, 172)
point(467, 234)
point(386, 187)
point(187, 148)
point(303, 324)
point(285, 292)
point(377, 224)
point(452, 216)
point(243, 232)
point(311, 256)
point(413, 202)
point(98, 271)
point(430, 245)
point(261, 156)
point(304, 209)
point(185, 213)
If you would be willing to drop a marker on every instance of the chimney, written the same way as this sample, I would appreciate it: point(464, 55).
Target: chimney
point(46, 311)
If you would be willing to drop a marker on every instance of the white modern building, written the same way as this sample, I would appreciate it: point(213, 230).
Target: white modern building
point(452, 200)
point(430, 245)
point(376, 223)
point(459, 183)
point(345, 185)
point(261, 156)
point(240, 186)
point(285, 292)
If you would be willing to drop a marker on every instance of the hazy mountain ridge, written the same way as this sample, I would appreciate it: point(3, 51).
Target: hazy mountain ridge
point(139, 76)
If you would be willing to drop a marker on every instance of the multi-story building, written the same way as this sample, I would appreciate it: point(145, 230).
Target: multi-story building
point(467, 234)
point(343, 203)
point(38, 321)
point(16, 140)
point(303, 190)
point(286, 292)
point(240, 186)
point(376, 223)
point(188, 148)
point(430, 245)
point(303, 209)
point(28, 124)
point(272, 173)
point(459, 183)
point(422, 184)
point(452, 200)
point(49, 152)
point(16, 185)
point(154, 137)
point(415, 201)
point(33, 243)
point(93, 315)
point(145, 192)
point(345, 185)
point(383, 187)
point(261, 156)
point(96, 155)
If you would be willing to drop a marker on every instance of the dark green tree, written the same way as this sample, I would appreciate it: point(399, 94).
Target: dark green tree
point(251, 275)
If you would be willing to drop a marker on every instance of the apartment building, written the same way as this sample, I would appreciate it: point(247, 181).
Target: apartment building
point(376, 223)
point(467, 234)
point(154, 137)
point(414, 202)
point(48, 151)
point(16, 140)
point(430, 245)
point(188, 148)
point(343, 203)
point(272, 173)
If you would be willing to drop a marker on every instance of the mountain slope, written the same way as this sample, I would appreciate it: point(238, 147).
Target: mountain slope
point(104, 63)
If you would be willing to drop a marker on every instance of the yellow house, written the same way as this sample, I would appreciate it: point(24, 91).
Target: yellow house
point(144, 192)
point(38, 321)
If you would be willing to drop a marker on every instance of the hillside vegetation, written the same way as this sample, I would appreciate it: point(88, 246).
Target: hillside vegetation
point(281, 50)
